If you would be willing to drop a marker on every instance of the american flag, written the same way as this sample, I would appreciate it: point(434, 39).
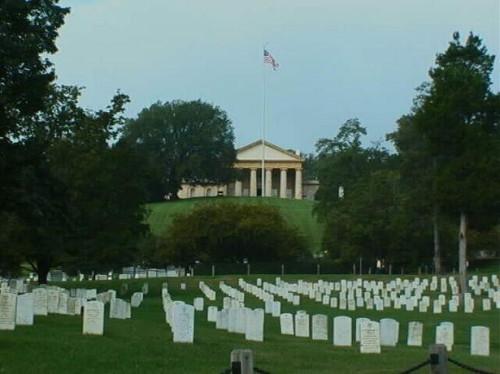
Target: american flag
point(269, 59)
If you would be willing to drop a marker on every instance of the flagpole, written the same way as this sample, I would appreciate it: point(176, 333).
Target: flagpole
point(262, 177)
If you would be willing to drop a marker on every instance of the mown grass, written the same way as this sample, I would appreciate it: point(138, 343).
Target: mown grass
point(144, 343)
point(297, 212)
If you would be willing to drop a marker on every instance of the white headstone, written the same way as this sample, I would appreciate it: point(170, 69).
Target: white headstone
point(334, 302)
point(7, 311)
point(232, 319)
point(444, 336)
point(183, 323)
point(254, 329)
point(319, 327)
point(370, 337)
point(90, 294)
point(268, 306)
point(453, 306)
point(212, 313)
point(437, 307)
point(118, 308)
point(93, 318)
point(222, 319)
point(198, 304)
point(415, 333)
point(302, 324)
point(486, 304)
point(480, 341)
point(468, 305)
point(52, 300)
point(359, 321)
point(241, 320)
point(62, 307)
point(79, 303)
point(389, 332)
point(422, 307)
point(136, 299)
point(286, 324)
point(451, 327)
point(71, 306)
point(25, 310)
point(276, 309)
point(342, 331)
point(40, 301)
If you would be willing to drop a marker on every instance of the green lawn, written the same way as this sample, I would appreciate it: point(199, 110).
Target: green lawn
point(296, 212)
point(144, 343)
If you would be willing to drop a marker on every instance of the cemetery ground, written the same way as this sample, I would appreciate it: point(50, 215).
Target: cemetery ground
point(143, 344)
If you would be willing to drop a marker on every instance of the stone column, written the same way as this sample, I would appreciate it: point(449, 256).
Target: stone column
point(253, 182)
point(269, 182)
point(237, 188)
point(298, 184)
point(283, 183)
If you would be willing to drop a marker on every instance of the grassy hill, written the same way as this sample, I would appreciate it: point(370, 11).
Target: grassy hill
point(296, 212)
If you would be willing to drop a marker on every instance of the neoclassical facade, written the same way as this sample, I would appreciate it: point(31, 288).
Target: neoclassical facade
point(282, 175)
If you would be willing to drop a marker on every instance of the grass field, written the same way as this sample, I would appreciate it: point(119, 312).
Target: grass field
point(296, 212)
point(144, 343)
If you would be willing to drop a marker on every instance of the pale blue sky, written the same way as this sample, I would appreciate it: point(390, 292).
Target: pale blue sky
point(338, 59)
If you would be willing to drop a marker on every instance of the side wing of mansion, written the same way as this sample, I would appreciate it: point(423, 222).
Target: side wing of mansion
point(282, 175)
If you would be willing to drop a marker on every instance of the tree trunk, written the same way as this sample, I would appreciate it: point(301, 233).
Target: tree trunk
point(435, 227)
point(437, 246)
point(42, 270)
point(42, 276)
point(462, 253)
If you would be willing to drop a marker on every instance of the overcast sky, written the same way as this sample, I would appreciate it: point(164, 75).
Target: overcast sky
point(338, 59)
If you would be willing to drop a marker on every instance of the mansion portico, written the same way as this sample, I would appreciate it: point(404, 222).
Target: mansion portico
point(282, 175)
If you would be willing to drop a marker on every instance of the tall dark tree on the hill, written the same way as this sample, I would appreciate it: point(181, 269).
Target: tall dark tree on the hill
point(28, 30)
point(183, 141)
point(459, 118)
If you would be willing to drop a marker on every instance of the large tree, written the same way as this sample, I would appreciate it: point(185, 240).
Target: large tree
point(28, 30)
point(78, 206)
point(459, 118)
point(183, 141)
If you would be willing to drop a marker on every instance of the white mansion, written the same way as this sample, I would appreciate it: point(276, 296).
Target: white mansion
point(283, 175)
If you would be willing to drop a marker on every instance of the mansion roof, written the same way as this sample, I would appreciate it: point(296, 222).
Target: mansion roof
point(253, 152)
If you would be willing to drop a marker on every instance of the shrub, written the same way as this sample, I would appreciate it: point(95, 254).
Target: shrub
point(229, 232)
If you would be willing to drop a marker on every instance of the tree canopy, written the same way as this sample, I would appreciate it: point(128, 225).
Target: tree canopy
point(28, 30)
point(77, 204)
point(183, 141)
point(378, 204)
point(458, 118)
